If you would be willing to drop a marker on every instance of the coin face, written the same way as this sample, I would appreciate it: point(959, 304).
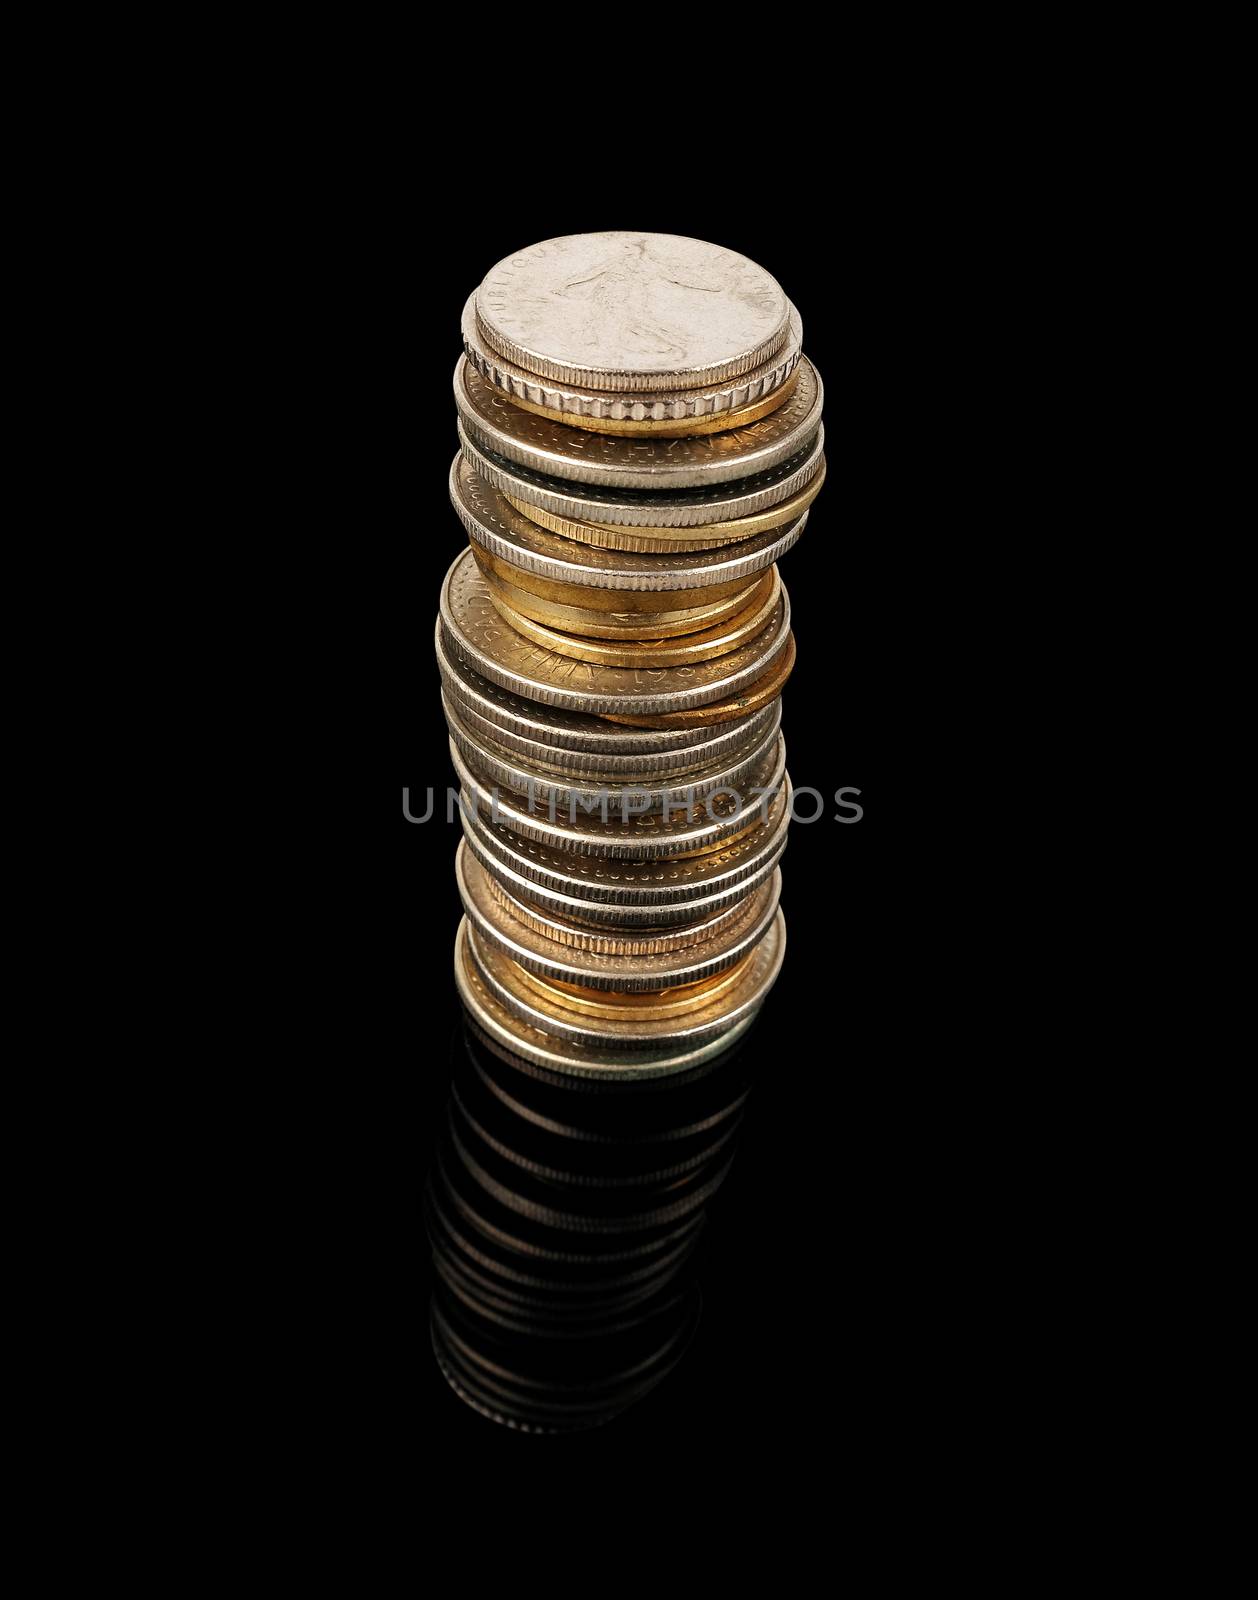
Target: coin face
point(626, 311)
point(481, 639)
point(554, 448)
point(638, 508)
point(504, 531)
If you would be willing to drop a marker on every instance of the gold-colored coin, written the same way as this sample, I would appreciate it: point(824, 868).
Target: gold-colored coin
point(620, 624)
point(755, 695)
point(646, 1006)
point(557, 592)
point(686, 428)
point(647, 654)
point(711, 536)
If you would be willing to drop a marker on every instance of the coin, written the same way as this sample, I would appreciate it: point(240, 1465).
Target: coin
point(582, 746)
point(609, 600)
point(664, 969)
point(615, 624)
point(559, 793)
point(638, 508)
point(687, 649)
point(605, 941)
point(501, 530)
point(602, 892)
point(704, 405)
point(544, 1049)
point(479, 637)
point(555, 449)
point(625, 311)
point(674, 1002)
point(693, 428)
point(752, 698)
point(661, 541)
point(625, 833)
point(524, 1008)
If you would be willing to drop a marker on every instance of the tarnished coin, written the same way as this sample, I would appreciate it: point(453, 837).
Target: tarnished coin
point(686, 410)
point(576, 741)
point(662, 969)
point(605, 941)
point(716, 640)
point(599, 891)
point(603, 624)
point(629, 311)
point(564, 792)
point(647, 508)
point(501, 530)
point(625, 832)
point(479, 637)
point(555, 449)
point(544, 1049)
point(659, 542)
point(524, 1005)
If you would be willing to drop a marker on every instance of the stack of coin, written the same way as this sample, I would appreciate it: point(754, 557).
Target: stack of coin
point(640, 440)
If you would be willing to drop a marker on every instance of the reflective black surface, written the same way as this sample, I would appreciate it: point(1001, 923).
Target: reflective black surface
point(564, 1213)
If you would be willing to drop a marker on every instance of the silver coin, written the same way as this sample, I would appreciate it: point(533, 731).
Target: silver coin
point(630, 942)
point(648, 972)
point(478, 703)
point(641, 508)
point(701, 827)
point(496, 526)
point(641, 461)
point(565, 793)
point(601, 893)
point(571, 741)
point(572, 736)
point(671, 406)
point(482, 640)
point(560, 1055)
point(743, 998)
point(627, 311)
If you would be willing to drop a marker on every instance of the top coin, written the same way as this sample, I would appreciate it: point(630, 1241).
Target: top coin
point(625, 311)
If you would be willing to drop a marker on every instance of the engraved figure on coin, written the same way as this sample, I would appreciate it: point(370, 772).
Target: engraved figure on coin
point(618, 292)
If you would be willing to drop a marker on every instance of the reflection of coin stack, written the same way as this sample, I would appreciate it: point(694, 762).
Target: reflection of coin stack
point(641, 439)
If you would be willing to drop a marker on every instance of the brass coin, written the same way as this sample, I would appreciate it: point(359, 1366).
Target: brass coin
point(646, 654)
point(558, 591)
point(647, 541)
point(689, 428)
point(478, 636)
point(619, 624)
point(610, 1003)
point(750, 699)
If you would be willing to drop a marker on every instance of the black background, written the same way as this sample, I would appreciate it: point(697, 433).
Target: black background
point(810, 1244)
